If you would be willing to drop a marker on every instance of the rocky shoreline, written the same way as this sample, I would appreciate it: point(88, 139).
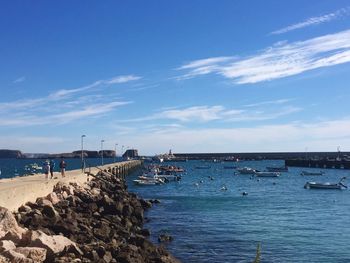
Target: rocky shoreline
point(98, 221)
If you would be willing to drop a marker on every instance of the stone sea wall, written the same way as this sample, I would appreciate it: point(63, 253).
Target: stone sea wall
point(98, 221)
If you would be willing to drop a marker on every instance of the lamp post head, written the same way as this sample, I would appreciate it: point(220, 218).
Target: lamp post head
point(83, 136)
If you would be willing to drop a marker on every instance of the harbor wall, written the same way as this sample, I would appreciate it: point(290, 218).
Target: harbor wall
point(15, 192)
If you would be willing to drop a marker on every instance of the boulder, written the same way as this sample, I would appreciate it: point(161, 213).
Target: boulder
point(8, 224)
point(24, 209)
point(35, 253)
point(15, 257)
point(41, 201)
point(53, 244)
point(49, 211)
point(54, 199)
point(6, 245)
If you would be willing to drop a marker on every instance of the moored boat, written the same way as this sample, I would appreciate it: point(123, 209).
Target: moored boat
point(327, 185)
point(246, 170)
point(311, 173)
point(267, 174)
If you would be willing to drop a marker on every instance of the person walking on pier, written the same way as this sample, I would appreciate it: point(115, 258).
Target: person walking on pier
point(52, 166)
point(63, 166)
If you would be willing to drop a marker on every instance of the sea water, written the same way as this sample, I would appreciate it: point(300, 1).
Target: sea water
point(291, 223)
point(10, 167)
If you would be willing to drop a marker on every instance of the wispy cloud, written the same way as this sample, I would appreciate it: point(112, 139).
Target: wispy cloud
point(122, 79)
point(56, 107)
point(99, 83)
point(278, 61)
point(269, 102)
point(204, 114)
point(21, 79)
point(314, 21)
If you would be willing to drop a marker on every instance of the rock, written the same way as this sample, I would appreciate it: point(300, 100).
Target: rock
point(4, 260)
point(41, 201)
point(49, 211)
point(165, 238)
point(8, 222)
point(6, 245)
point(35, 253)
point(24, 209)
point(145, 232)
point(54, 199)
point(53, 244)
point(15, 257)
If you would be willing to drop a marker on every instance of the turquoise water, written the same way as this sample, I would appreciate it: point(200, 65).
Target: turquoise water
point(291, 223)
point(16, 167)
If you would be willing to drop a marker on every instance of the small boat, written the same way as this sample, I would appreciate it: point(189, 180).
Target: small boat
point(311, 173)
point(267, 174)
point(148, 181)
point(203, 167)
point(277, 169)
point(314, 185)
point(246, 170)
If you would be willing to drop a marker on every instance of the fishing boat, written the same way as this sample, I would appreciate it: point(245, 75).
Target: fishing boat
point(246, 170)
point(277, 169)
point(311, 173)
point(267, 174)
point(315, 185)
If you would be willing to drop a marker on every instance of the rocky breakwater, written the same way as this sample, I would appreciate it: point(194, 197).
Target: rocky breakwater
point(98, 221)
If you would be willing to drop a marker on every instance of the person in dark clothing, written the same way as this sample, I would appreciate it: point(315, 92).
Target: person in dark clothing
point(63, 166)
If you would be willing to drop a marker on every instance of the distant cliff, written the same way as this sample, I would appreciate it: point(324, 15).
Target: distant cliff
point(4, 153)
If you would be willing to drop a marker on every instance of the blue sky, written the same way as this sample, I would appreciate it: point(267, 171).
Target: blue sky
point(191, 76)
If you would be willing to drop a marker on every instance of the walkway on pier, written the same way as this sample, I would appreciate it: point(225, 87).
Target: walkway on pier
point(15, 192)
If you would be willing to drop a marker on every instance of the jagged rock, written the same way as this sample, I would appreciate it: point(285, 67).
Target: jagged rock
point(49, 211)
point(53, 244)
point(35, 253)
point(53, 197)
point(165, 238)
point(6, 245)
point(24, 209)
point(8, 222)
point(42, 201)
point(4, 260)
point(15, 257)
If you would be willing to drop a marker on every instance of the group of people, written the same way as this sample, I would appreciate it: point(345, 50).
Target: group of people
point(49, 166)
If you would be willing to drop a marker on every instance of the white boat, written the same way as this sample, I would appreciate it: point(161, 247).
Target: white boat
point(246, 170)
point(148, 181)
point(315, 185)
point(267, 174)
point(311, 173)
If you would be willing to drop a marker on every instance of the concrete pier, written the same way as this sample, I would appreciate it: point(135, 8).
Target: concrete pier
point(15, 192)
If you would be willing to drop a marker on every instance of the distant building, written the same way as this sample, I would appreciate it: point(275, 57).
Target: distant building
point(130, 154)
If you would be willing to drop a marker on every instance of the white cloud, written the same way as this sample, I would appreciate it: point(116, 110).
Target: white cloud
point(122, 79)
point(269, 102)
point(314, 21)
point(279, 61)
point(21, 79)
point(203, 114)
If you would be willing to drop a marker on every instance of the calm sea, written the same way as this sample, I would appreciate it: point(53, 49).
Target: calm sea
point(16, 167)
point(291, 223)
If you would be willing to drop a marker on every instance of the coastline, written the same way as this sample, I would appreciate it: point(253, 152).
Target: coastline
point(95, 221)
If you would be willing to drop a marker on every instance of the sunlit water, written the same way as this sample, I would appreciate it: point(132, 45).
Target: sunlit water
point(16, 167)
point(292, 224)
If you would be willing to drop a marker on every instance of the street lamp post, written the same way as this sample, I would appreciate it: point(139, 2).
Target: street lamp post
point(115, 151)
point(82, 152)
point(102, 141)
point(122, 150)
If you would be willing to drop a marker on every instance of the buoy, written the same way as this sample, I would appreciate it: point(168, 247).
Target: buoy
point(245, 193)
